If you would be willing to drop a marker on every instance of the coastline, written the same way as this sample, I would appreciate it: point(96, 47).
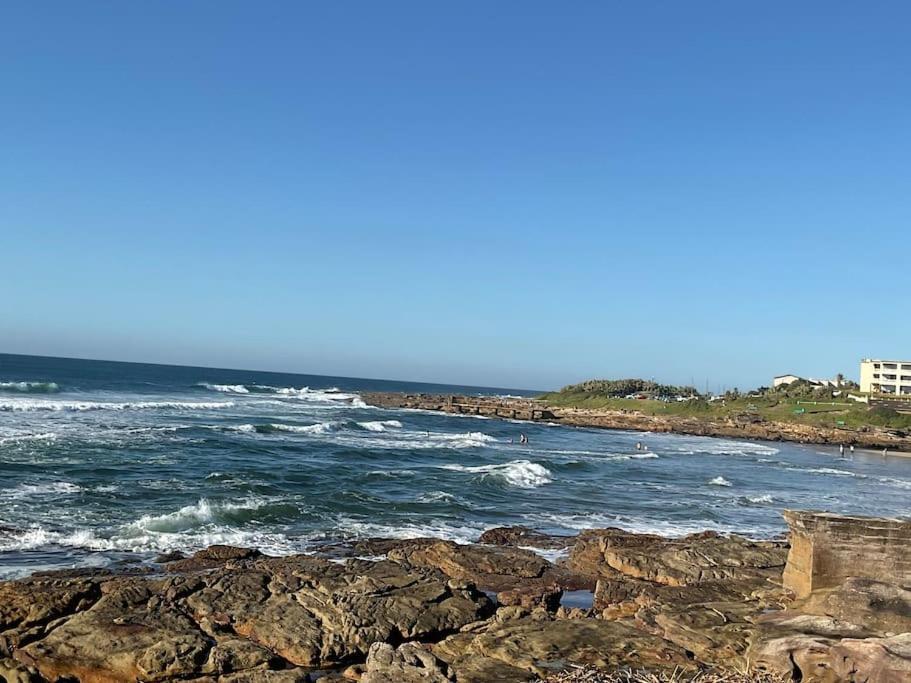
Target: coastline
point(751, 428)
point(504, 609)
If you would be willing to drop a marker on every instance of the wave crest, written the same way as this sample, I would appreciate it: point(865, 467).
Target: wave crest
point(519, 473)
point(332, 395)
point(34, 405)
point(30, 387)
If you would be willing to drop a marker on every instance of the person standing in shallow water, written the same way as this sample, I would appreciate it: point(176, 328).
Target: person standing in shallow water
point(523, 438)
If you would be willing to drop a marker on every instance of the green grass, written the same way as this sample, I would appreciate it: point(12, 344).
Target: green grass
point(773, 409)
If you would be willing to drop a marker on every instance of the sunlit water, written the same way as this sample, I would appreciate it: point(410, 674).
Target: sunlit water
point(102, 463)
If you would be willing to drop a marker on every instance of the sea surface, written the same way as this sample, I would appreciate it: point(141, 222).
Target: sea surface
point(105, 463)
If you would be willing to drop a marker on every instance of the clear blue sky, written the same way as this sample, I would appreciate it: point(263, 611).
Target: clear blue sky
point(510, 193)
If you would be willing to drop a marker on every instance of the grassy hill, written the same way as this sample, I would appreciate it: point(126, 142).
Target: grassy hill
point(795, 404)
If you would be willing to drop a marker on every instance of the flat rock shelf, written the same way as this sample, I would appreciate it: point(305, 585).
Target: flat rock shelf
point(702, 607)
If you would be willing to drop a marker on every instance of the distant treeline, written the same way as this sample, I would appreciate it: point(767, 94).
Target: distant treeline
point(625, 387)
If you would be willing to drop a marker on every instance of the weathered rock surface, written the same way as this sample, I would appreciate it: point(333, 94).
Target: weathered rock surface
point(410, 611)
point(494, 568)
point(676, 562)
point(826, 549)
point(250, 614)
point(520, 536)
point(520, 649)
point(409, 663)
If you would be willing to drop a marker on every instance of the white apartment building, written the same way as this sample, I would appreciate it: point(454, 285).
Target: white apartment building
point(885, 376)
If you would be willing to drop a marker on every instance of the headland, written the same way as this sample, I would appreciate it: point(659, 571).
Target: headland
point(731, 420)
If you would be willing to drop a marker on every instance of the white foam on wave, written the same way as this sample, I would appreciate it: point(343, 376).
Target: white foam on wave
point(720, 481)
point(760, 499)
point(827, 470)
point(25, 437)
point(569, 522)
point(900, 483)
point(226, 388)
point(713, 446)
point(327, 396)
point(54, 488)
point(519, 473)
point(391, 473)
point(200, 513)
point(39, 537)
point(242, 428)
point(32, 405)
point(318, 428)
point(598, 456)
point(380, 425)
point(437, 413)
point(30, 387)
point(467, 532)
point(436, 497)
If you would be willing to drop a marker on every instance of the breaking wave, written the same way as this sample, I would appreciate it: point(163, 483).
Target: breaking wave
point(33, 405)
point(720, 481)
point(226, 388)
point(332, 395)
point(30, 387)
point(322, 427)
point(380, 425)
point(520, 473)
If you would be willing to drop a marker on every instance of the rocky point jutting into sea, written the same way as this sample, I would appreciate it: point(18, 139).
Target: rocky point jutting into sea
point(741, 427)
point(832, 606)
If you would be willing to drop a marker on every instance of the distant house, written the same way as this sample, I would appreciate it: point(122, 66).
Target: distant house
point(785, 379)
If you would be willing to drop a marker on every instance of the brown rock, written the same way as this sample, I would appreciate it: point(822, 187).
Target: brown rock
point(523, 536)
point(884, 660)
point(826, 549)
point(36, 601)
point(524, 647)
point(213, 556)
point(239, 621)
point(529, 597)
point(880, 608)
point(311, 611)
point(494, 568)
point(675, 562)
point(409, 663)
point(119, 639)
point(12, 671)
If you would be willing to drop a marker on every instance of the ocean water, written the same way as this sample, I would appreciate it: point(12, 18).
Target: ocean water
point(106, 463)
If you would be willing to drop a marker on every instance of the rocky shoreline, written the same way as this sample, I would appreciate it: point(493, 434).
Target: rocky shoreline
point(830, 606)
point(740, 427)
